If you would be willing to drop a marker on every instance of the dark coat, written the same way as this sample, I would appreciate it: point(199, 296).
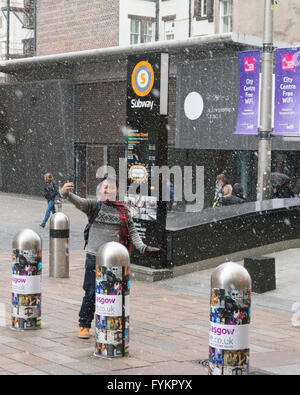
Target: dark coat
point(50, 190)
point(237, 196)
point(232, 199)
point(284, 192)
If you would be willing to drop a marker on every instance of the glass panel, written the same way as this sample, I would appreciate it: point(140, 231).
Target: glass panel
point(147, 32)
point(226, 16)
point(204, 11)
point(134, 31)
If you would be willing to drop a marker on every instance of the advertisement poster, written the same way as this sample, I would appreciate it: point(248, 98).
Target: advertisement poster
point(26, 289)
point(248, 112)
point(287, 92)
point(112, 311)
point(229, 332)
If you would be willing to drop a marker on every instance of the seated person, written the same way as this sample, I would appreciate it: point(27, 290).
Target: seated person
point(283, 190)
point(237, 196)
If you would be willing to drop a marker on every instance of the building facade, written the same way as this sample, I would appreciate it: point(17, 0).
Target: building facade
point(74, 25)
point(66, 113)
point(16, 28)
point(246, 17)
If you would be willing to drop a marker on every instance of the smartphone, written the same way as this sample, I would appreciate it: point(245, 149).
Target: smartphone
point(71, 178)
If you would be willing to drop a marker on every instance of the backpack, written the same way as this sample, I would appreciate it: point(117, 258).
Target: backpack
point(50, 191)
point(92, 218)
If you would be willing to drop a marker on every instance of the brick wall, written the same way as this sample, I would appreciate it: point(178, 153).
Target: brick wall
point(76, 25)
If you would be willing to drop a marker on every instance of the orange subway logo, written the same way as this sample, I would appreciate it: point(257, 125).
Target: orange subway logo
point(142, 78)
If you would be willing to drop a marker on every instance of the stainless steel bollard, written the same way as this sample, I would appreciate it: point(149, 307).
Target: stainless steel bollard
point(112, 301)
point(26, 280)
point(59, 246)
point(230, 310)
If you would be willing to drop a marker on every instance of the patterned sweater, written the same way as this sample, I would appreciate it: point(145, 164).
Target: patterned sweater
point(106, 226)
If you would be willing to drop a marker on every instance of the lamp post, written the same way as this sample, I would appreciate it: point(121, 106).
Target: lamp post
point(266, 106)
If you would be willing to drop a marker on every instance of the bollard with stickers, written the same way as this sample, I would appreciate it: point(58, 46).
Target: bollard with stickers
point(112, 301)
point(230, 310)
point(26, 280)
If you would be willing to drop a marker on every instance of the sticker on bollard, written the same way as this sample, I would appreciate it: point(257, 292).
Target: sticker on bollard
point(26, 281)
point(112, 301)
point(230, 310)
point(112, 311)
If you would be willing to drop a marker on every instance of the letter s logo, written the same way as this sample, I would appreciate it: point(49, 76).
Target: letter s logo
point(143, 79)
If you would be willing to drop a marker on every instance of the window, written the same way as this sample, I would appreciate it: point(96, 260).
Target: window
point(225, 16)
point(169, 30)
point(135, 31)
point(141, 30)
point(170, 37)
point(148, 32)
point(202, 8)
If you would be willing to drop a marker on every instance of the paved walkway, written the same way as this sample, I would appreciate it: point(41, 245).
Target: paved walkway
point(169, 319)
point(168, 333)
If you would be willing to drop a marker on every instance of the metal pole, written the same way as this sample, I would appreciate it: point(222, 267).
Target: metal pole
point(266, 106)
point(34, 26)
point(59, 246)
point(157, 21)
point(190, 18)
point(7, 29)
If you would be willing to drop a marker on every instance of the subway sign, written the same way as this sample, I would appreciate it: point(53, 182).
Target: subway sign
point(147, 105)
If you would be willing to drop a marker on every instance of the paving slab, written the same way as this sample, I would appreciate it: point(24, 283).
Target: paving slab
point(166, 338)
point(169, 319)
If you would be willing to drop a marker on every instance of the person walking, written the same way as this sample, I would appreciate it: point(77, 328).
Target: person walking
point(50, 192)
point(109, 220)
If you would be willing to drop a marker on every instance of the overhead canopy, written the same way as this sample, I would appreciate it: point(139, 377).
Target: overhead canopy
point(70, 59)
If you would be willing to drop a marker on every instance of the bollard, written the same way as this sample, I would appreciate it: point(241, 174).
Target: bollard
point(59, 246)
point(26, 280)
point(230, 309)
point(112, 301)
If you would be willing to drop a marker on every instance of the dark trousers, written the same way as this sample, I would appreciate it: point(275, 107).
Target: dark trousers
point(87, 311)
